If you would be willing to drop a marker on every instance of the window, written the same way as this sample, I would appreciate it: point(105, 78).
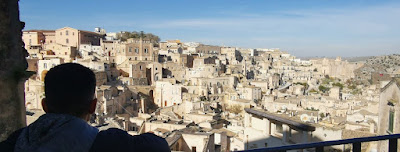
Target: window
point(65, 53)
point(391, 121)
point(145, 59)
point(66, 32)
point(30, 41)
point(145, 51)
point(279, 128)
point(60, 33)
point(136, 50)
point(130, 49)
point(193, 149)
point(140, 67)
point(73, 33)
point(45, 65)
point(66, 41)
point(135, 58)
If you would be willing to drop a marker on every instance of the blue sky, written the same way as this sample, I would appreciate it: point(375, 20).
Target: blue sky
point(301, 27)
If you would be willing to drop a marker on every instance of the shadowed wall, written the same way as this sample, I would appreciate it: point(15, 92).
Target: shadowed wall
point(12, 69)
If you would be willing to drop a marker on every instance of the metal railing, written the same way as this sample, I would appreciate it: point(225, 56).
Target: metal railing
point(319, 146)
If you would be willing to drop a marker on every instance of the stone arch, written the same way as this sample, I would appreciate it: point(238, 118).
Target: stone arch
point(151, 94)
point(43, 74)
point(28, 105)
point(156, 75)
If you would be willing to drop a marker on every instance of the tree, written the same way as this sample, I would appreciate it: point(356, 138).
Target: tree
point(203, 98)
point(313, 91)
point(236, 109)
point(321, 115)
point(323, 89)
point(352, 87)
point(123, 36)
point(337, 84)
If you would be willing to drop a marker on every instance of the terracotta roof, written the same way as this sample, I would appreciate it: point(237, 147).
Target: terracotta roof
point(39, 31)
point(90, 32)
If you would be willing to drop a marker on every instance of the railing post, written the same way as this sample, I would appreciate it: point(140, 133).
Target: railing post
point(393, 145)
point(357, 147)
point(319, 149)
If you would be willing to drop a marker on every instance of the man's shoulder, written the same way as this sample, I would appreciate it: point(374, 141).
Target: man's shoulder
point(119, 140)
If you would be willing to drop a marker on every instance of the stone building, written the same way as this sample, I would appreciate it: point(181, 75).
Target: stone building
point(33, 40)
point(74, 37)
point(208, 49)
point(34, 93)
point(167, 94)
point(335, 67)
point(138, 50)
point(154, 72)
point(63, 42)
point(389, 112)
point(45, 65)
point(139, 74)
point(68, 53)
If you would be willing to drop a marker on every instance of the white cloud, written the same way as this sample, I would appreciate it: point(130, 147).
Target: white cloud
point(320, 31)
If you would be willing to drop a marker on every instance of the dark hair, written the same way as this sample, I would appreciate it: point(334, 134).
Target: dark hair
point(69, 89)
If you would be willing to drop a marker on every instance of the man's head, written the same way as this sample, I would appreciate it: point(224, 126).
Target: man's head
point(69, 89)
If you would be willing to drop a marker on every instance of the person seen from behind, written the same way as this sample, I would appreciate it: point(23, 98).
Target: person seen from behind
point(69, 103)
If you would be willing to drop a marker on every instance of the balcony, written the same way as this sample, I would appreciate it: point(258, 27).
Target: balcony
point(319, 146)
point(304, 139)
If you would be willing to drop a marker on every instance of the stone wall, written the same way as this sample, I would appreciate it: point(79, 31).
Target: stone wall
point(12, 69)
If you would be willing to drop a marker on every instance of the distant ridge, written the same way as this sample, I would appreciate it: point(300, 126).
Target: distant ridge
point(350, 59)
